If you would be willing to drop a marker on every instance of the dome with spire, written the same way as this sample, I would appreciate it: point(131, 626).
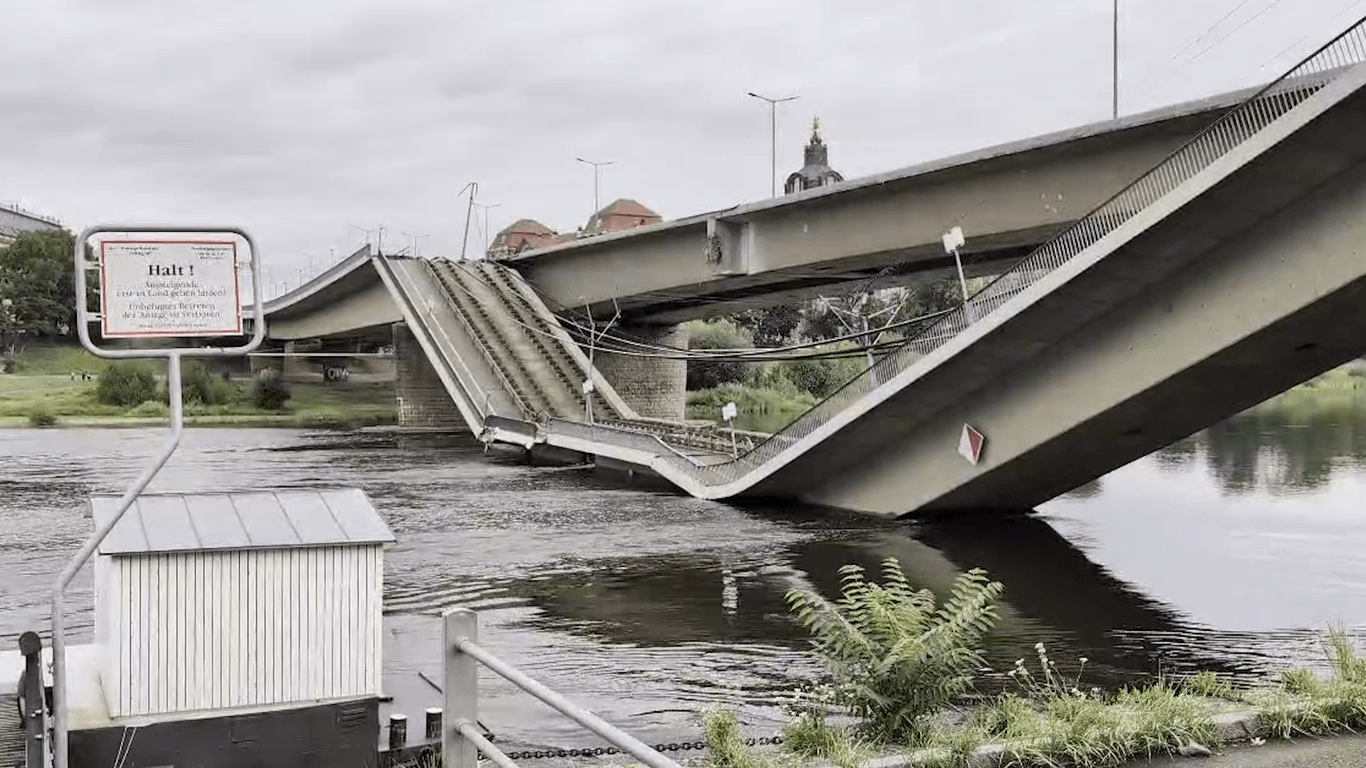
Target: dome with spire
point(816, 170)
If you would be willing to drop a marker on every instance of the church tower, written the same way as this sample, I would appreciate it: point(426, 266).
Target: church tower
point(816, 170)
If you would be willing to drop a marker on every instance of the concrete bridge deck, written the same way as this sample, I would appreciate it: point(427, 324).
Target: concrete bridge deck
point(1226, 273)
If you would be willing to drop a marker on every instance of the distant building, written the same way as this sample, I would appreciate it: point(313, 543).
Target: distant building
point(15, 221)
point(528, 234)
point(816, 171)
point(522, 235)
point(621, 214)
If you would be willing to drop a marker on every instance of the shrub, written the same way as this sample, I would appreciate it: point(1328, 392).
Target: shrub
point(200, 385)
point(151, 408)
point(896, 657)
point(271, 391)
point(126, 384)
point(40, 416)
point(822, 377)
point(715, 334)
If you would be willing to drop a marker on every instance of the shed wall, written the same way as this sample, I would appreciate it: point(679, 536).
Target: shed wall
point(223, 629)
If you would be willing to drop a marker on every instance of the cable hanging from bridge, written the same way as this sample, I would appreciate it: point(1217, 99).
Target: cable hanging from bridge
point(771, 354)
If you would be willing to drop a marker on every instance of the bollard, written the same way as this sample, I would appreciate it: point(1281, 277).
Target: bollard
point(31, 696)
point(398, 731)
point(433, 723)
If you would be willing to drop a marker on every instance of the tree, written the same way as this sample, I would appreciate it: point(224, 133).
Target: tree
point(36, 280)
point(715, 334)
point(770, 326)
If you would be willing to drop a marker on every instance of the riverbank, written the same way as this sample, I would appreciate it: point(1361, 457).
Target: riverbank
point(72, 403)
point(768, 409)
point(1051, 722)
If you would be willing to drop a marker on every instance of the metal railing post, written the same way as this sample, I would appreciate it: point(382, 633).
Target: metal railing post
point(461, 690)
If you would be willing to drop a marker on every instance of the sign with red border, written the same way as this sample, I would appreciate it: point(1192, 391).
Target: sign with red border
point(970, 444)
point(169, 288)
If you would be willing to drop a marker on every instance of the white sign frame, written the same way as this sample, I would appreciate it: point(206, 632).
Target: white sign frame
point(173, 235)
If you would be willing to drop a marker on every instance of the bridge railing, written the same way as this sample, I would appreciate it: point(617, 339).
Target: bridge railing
point(1228, 132)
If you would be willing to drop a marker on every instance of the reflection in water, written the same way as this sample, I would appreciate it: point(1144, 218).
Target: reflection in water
point(1289, 445)
point(1220, 552)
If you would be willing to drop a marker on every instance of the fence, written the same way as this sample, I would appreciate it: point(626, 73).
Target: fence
point(461, 737)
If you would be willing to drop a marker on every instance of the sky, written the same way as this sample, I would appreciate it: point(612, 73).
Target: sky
point(309, 123)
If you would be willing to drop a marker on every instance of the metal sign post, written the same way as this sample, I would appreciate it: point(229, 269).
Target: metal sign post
point(185, 282)
point(728, 413)
point(954, 240)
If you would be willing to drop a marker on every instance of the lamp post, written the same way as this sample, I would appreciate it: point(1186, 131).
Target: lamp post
point(1114, 53)
point(596, 165)
point(415, 239)
point(488, 238)
point(773, 144)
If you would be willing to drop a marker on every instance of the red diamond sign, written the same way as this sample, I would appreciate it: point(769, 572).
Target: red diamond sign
point(970, 444)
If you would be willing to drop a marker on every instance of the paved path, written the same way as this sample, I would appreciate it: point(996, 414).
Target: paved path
point(1334, 752)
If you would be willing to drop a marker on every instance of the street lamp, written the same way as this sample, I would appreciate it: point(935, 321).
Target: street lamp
point(488, 238)
point(596, 166)
point(773, 119)
point(415, 239)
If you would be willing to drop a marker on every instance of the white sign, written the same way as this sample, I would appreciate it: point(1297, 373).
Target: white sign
point(729, 412)
point(170, 288)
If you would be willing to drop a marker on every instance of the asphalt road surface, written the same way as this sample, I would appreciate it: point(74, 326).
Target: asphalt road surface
point(1334, 752)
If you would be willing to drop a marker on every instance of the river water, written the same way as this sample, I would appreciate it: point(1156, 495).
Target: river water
point(1225, 551)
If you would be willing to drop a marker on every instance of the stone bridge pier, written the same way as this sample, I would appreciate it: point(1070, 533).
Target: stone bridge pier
point(421, 400)
point(654, 387)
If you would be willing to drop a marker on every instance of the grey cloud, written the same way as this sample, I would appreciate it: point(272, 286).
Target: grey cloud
point(300, 119)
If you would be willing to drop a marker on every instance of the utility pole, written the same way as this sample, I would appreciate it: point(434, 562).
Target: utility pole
point(773, 143)
point(596, 166)
point(473, 187)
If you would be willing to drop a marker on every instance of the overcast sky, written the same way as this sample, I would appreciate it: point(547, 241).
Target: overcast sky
point(301, 121)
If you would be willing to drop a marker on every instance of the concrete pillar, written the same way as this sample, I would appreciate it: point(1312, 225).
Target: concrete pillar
point(422, 400)
point(292, 366)
point(654, 387)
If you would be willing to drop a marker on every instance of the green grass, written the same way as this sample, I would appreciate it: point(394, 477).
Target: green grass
point(707, 403)
point(313, 404)
point(57, 360)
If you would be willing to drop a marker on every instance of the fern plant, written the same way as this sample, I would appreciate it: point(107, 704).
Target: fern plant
point(895, 655)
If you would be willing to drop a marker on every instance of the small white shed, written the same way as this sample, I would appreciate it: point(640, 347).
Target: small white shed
point(210, 601)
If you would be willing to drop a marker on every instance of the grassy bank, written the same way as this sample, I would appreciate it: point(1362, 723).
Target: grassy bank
point(902, 666)
point(311, 404)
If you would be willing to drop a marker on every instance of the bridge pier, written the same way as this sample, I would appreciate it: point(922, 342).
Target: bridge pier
point(654, 387)
point(421, 398)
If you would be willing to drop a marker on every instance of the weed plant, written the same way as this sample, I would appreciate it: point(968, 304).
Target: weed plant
point(897, 657)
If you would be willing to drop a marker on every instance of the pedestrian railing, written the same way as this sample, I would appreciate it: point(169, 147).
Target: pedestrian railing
point(462, 740)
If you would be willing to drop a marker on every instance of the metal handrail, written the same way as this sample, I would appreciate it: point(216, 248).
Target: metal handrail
point(461, 741)
point(1236, 126)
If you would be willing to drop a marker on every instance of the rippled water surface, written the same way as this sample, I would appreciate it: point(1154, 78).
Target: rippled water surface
point(1223, 551)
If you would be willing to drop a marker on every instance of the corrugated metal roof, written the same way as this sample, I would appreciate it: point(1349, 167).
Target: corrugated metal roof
point(189, 522)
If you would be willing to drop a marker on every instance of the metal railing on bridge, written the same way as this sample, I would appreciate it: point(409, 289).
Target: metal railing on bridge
point(1230, 131)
